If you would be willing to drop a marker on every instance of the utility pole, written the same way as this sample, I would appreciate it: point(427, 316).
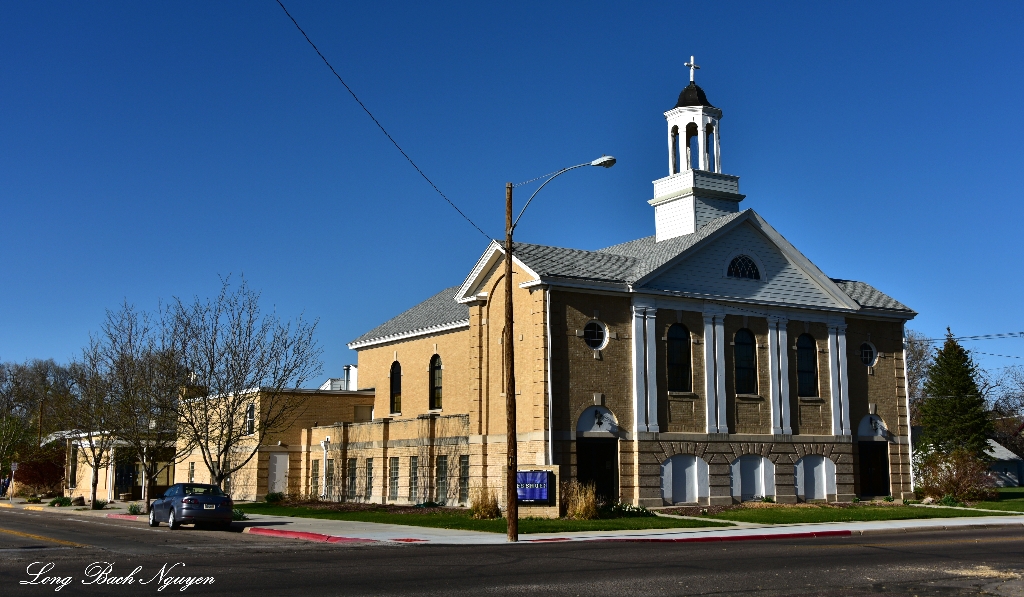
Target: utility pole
point(511, 481)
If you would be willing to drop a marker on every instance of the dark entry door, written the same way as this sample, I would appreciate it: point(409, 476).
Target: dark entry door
point(597, 462)
point(874, 469)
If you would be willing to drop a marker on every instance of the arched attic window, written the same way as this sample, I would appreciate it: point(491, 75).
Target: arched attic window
point(435, 382)
point(679, 377)
point(396, 387)
point(806, 366)
point(742, 266)
point(745, 362)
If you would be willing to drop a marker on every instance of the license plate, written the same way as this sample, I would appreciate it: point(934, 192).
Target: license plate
point(209, 506)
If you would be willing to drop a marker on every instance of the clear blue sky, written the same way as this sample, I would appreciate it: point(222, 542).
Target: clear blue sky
point(146, 148)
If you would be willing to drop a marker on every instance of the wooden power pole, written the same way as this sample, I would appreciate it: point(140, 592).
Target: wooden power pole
point(511, 481)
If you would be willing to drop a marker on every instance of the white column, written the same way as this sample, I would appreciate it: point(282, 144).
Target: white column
point(718, 146)
point(671, 152)
point(323, 467)
point(773, 369)
point(833, 377)
point(787, 425)
point(710, 387)
point(844, 381)
point(652, 369)
point(110, 476)
point(723, 421)
point(639, 368)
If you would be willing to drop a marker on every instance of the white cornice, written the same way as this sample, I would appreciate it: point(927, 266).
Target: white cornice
point(492, 254)
point(435, 329)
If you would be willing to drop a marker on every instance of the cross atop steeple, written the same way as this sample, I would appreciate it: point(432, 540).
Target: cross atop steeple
point(692, 65)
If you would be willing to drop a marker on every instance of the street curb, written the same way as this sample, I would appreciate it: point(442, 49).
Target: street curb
point(6, 505)
point(760, 537)
point(311, 536)
point(128, 517)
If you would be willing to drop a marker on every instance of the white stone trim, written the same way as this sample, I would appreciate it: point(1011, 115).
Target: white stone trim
point(651, 352)
point(774, 390)
point(844, 378)
point(435, 329)
point(710, 387)
point(494, 252)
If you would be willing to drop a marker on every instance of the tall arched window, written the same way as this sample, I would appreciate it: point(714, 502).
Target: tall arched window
point(679, 377)
point(435, 382)
point(806, 366)
point(745, 362)
point(692, 147)
point(710, 140)
point(396, 387)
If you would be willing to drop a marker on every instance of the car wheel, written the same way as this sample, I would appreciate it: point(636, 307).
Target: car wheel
point(174, 524)
point(153, 522)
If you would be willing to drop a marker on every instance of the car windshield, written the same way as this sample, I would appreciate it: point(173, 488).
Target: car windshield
point(202, 490)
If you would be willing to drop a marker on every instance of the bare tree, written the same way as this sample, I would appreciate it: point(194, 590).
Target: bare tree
point(1008, 411)
point(15, 416)
point(241, 362)
point(146, 378)
point(920, 355)
point(91, 410)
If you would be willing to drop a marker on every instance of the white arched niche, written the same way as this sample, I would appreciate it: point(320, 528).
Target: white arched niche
point(872, 427)
point(815, 478)
point(752, 477)
point(684, 480)
point(597, 419)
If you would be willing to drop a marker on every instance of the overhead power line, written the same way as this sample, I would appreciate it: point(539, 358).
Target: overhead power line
point(982, 337)
point(377, 122)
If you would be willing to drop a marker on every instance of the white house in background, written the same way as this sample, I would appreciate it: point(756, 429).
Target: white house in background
point(1007, 467)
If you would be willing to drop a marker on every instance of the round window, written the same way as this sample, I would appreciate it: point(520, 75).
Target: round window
point(868, 354)
point(594, 335)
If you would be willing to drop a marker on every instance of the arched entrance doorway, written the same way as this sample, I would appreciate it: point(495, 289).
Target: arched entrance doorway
point(597, 452)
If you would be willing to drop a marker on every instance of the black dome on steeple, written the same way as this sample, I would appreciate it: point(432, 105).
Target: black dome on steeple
point(692, 95)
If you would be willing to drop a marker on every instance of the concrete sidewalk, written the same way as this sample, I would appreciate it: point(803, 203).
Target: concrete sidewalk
point(343, 531)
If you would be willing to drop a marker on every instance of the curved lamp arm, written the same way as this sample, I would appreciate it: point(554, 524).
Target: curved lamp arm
point(603, 161)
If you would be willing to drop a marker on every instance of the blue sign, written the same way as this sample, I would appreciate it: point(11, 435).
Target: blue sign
point(532, 487)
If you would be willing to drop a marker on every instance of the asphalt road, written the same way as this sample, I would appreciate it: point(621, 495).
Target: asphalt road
point(970, 562)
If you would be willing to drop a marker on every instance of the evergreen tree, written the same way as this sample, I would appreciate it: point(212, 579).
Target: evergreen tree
point(953, 413)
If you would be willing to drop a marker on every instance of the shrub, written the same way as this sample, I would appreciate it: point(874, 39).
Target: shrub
point(888, 498)
point(959, 474)
point(237, 514)
point(99, 505)
point(275, 497)
point(78, 501)
point(429, 504)
point(768, 499)
point(60, 501)
point(484, 504)
point(135, 509)
point(579, 500)
point(620, 510)
point(948, 500)
point(33, 499)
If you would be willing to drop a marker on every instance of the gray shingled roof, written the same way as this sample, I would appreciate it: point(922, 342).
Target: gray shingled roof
point(623, 263)
point(868, 296)
point(440, 309)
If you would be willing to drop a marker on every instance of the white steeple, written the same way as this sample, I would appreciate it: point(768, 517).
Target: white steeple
point(695, 190)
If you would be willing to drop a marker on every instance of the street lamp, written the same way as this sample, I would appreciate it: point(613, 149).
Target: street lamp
point(511, 481)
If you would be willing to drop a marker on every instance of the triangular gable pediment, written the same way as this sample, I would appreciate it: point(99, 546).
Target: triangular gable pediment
point(484, 269)
point(787, 277)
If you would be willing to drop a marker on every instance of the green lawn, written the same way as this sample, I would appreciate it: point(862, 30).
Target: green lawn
point(781, 515)
point(1011, 499)
point(460, 519)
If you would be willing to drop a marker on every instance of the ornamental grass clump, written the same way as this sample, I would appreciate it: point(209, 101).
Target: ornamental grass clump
point(484, 504)
point(579, 500)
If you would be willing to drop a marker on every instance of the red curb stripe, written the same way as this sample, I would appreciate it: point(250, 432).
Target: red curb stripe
point(306, 536)
point(549, 540)
point(737, 537)
point(409, 540)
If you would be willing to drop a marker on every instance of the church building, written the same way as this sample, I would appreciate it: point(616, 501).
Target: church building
point(709, 363)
